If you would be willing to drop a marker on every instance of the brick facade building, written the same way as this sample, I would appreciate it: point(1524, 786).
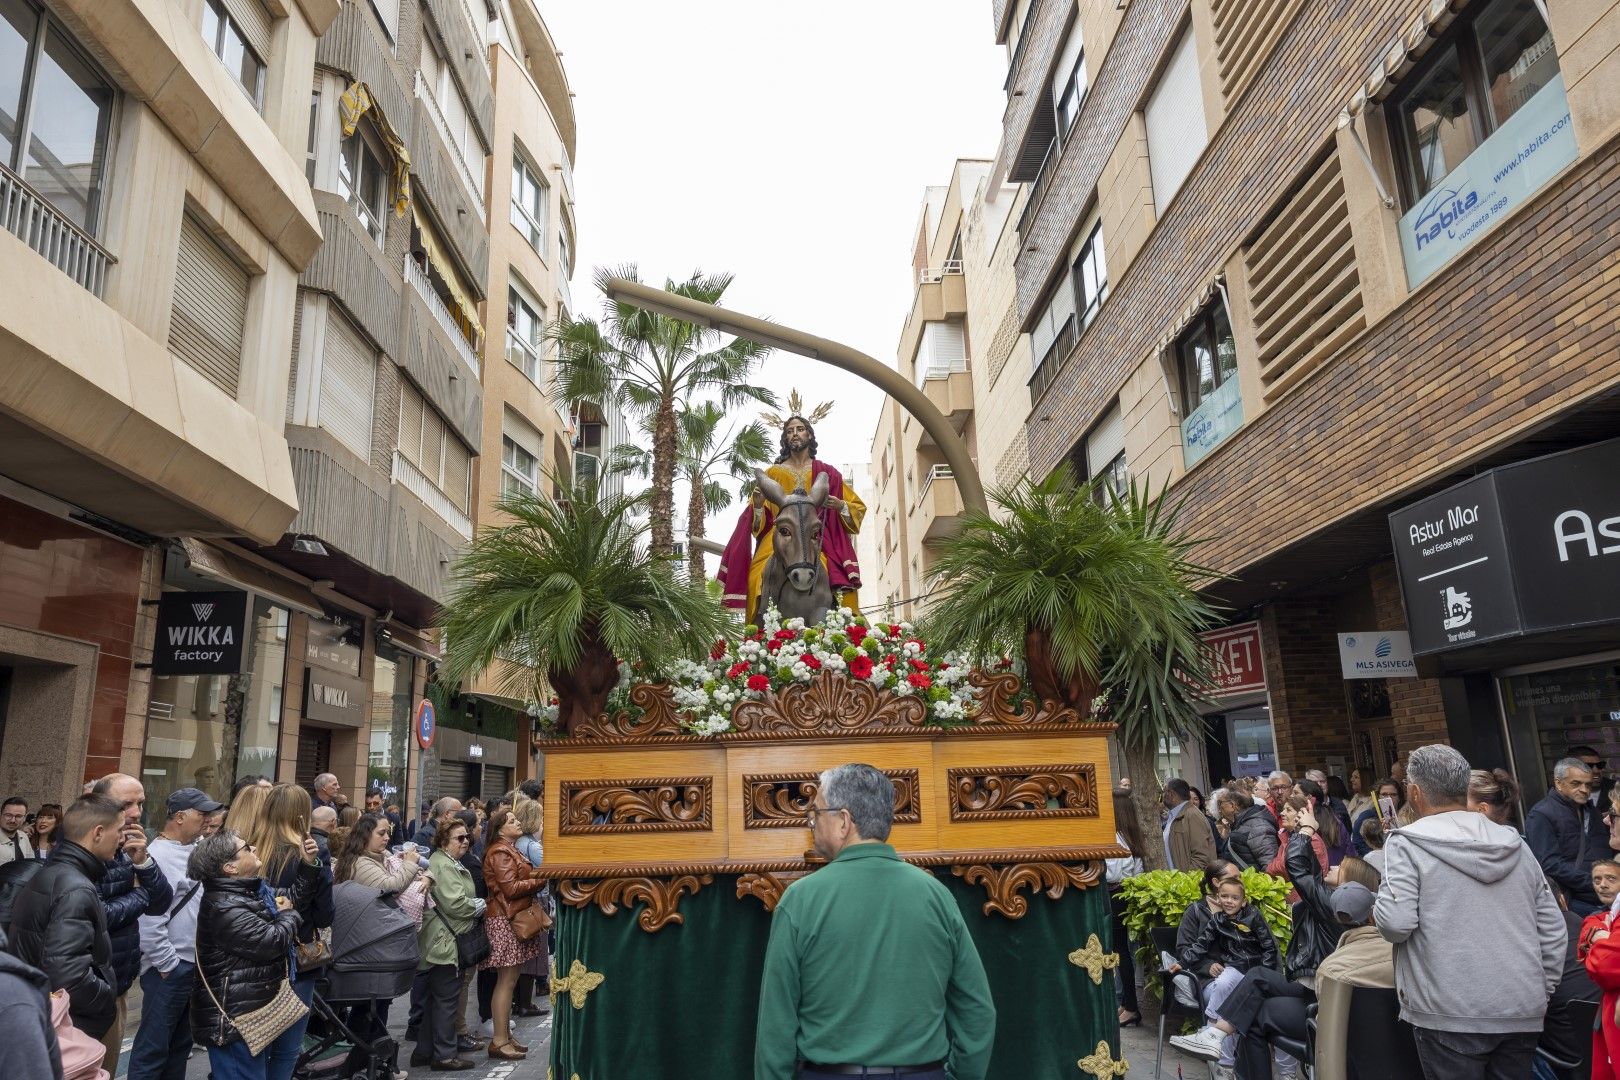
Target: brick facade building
point(1304, 324)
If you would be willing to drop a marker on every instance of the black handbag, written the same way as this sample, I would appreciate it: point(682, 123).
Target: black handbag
point(472, 944)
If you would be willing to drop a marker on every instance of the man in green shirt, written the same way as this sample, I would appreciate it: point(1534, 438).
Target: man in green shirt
point(870, 970)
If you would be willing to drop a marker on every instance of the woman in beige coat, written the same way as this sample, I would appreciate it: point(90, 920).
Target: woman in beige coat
point(363, 857)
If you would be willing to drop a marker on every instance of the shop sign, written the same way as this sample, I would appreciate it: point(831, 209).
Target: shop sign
point(1519, 157)
point(1217, 416)
point(334, 642)
point(1377, 654)
point(1235, 660)
point(331, 698)
point(426, 724)
point(1521, 549)
point(200, 633)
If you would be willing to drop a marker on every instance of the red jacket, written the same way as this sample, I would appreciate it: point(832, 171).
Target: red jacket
point(1602, 961)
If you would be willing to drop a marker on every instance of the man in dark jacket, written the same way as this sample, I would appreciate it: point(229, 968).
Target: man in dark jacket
point(58, 924)
point(133, 886)
point(1567, 835)
point(1253, 839)
point(27, 1037)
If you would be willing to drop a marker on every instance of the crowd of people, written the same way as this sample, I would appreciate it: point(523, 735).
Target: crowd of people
point(224, 914)
point(1494, 941)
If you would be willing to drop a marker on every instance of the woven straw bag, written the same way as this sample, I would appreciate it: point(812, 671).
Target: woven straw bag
point(268, 1022)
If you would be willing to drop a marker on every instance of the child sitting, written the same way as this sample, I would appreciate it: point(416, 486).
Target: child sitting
point(1234, 941)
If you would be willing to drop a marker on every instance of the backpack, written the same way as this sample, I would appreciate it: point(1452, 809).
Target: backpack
point(14, 877)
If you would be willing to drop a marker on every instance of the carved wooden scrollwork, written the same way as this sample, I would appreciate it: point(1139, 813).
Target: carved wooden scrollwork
point(997, 691)
point(661, 895)
point(831, 703)
point(781, 800)
point(659, 716)
point(1005, 884)
point(657, 804)
point(766, 888)
point(1001, 792)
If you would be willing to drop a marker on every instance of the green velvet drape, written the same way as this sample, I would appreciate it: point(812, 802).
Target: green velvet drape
point(681, 1004)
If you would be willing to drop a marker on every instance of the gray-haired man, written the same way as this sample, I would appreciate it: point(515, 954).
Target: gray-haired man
point(1479, 940)
point(870, 966)
point(1568, 835)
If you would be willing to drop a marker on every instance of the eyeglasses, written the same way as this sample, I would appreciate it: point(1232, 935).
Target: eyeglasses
point(460, 839)
point(814, 810)
point(244, 847)
point(1599, 764)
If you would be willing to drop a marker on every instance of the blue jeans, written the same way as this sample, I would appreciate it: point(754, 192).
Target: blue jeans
point(233, 1062)
point(163, 1040)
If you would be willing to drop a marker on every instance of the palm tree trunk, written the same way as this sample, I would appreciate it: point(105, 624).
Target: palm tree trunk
point(1142, 768)
point(695, 511)
point(665, 448)
point(582, 691)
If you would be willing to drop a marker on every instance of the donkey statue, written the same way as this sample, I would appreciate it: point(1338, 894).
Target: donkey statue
point(794, 579)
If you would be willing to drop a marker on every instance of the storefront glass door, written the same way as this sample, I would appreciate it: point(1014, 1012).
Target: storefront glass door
point(1549, 711)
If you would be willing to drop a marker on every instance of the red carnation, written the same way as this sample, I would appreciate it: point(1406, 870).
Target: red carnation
point(811, 661)
point(784, 635)
point(919, 665)
point(894, 629)
point(857, 634)
point(861, 667)
point(736, 669)
point(919, 680)
point(759, 682)
point(773, 645)
point(888, 662)
point(719, 650)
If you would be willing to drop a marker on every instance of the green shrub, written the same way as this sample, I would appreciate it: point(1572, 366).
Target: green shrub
point(1160, 897)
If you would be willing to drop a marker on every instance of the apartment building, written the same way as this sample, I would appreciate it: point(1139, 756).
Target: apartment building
point(156, 221)
point(1314, 266)
point(961, 346)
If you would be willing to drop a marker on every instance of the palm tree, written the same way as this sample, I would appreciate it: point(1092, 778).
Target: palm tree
point(1098, 587)
point(705, 460)
point(569, 588)
point(648, 362)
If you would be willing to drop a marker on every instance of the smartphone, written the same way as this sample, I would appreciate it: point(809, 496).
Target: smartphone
point(1386, 809)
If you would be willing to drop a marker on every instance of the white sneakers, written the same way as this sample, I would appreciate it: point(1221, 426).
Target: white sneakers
point(1222, 1072)
point(1204, 1043)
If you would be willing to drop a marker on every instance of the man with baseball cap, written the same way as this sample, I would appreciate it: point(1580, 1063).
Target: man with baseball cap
point(169, 946)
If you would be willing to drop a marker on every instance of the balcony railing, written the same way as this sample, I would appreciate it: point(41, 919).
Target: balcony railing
point(935, 472)
point(416, 482)
point(27, 214)
point(464, 170)
point(1037, 190)
point(1046, 368)
point(441, 314)
point(564, 293)
point(943, 369)
point(929, 275)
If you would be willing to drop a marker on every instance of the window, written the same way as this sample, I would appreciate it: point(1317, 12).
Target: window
point(1206, 356)
point(348, 369)
point(314, 130)
point(1104, 458)
point(461, 132)
point(55, 113)
point(363, 182)
point(1090, 277)
point(531, 198)
point(1176, 131)
point(239, 33)
point(525, 325)
point(565, 249)
point(1482, 72)
point(520, 470)
point(1069, 80)
point(1052, 336)
point(427, 442)
point(387, 12)
point(209, 307)
point(943, 349)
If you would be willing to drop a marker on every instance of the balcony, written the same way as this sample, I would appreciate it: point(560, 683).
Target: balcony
point(950, 390)
point(441, 314)
point(1046, 368)
point(27, 214)
point(938, 513)
point(930, 275)
point(474, 187)
point(416, 482)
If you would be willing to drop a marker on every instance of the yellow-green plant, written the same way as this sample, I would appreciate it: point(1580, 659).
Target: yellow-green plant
point(1160, 898)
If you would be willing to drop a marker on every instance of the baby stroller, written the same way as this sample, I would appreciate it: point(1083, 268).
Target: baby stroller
point(374, 958)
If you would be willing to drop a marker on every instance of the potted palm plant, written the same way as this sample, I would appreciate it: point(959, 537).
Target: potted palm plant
point(568, 588)
point(1098, 586)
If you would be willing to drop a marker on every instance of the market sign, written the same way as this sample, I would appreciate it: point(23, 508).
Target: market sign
point(1520, 549)
point(1529, 149)
point(200, 633)
point(1377, 654)
point(1235, 660)
point(331, 698)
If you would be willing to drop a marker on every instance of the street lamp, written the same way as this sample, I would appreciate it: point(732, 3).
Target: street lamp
point(634, 293)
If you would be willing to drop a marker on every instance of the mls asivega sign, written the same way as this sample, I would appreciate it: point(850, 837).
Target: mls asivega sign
point(200, 633)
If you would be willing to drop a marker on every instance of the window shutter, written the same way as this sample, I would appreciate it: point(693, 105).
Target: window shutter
point(946, 344)
point(348, 368)
point(210, 308)
point(457, 468)
point(432, 444)
point(292, 369)
point(1175, 122)
point(410, 423)
point(1072, 45)
point(254, 20)
point(1106, 441)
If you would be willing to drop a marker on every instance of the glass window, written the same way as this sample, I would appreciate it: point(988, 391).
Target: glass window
point(1069, 83)
point(530, 198)
point(314, 130)
point(363, 183)
point(1090, 277)
point(388, 765)
point(222, 34)
point(1206, 355)
point(1517, 56)
point(206, 731)
point(1547, 712)
point(47, 83)
point(520, 470)
point(333, 643)
point(1437, 123)
point(524, 328)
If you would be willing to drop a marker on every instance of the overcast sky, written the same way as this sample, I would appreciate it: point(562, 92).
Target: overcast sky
point(788, 143)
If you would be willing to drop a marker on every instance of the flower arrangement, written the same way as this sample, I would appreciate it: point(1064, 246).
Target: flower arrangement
point(774, 655)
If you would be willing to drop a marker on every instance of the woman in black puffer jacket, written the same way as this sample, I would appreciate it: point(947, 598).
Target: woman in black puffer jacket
point(244, 949)
point(1316, 930)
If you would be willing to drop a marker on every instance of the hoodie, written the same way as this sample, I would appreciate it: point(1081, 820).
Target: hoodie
point(1479, 940)
point(27, 1038)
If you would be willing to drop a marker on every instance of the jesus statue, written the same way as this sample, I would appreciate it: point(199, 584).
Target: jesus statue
point(796, 469)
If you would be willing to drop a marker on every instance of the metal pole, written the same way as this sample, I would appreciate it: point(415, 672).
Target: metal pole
point(885, 378)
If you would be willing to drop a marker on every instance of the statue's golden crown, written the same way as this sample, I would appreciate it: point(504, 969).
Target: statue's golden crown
point(796, 408)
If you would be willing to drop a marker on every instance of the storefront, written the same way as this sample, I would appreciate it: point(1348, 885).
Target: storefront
point(1511, 582)
point(1239, 740)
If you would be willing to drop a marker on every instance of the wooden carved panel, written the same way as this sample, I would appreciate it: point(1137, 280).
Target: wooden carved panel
point(833, 704)
point(1005, 884)
point(656, 804)
point(1009, 792)
point(662, 896)
point(781, 800)
point(659, 716)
